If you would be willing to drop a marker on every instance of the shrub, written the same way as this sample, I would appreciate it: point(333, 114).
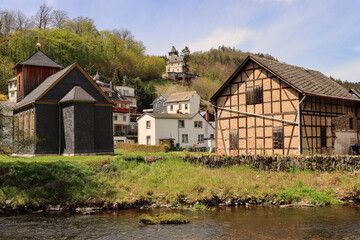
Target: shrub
point(145, 148)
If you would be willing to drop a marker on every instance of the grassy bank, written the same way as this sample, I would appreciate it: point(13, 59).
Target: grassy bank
point(124, 179)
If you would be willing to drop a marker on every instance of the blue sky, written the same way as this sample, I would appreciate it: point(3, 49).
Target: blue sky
point(322, 35)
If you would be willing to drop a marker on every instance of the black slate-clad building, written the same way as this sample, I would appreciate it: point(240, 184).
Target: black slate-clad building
point(68, 113)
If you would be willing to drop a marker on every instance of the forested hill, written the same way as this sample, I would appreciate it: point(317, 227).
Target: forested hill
point(219, 64)
point(114, 53)
point(214, 67)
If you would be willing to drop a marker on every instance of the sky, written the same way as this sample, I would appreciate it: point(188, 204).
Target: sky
point(322, 35)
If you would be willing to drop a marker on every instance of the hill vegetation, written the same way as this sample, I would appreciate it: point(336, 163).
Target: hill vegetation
point(114, 53)
point(212, 67)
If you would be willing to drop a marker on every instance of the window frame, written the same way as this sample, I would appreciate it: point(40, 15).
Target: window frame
point(182, 138)
point(254, 95)
point(181, 123)
point(278, 137)
point(148, 124)
point(201, 139)
point(196, 124)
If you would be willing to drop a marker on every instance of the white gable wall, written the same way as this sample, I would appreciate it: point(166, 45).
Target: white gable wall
point(143, 132)
point(168, 128)
point(193, 105)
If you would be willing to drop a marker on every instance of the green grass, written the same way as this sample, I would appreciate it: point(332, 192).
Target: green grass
point(162, 82)
point(163, 218)
point(124, 177)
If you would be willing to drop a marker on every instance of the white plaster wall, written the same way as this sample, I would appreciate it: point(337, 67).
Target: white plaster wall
point(344, 140)
point(195, 103)
point(168, 128)
point(143, 131)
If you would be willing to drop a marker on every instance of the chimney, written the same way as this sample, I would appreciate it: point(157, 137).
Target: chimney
point(111, 85)
point(207, 115)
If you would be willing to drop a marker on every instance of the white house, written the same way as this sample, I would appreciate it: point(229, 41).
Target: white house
point(183, 102)
point(12, 90)
point(184, 130)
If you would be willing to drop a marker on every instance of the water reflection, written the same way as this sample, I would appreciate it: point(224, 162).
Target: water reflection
point(224, 223)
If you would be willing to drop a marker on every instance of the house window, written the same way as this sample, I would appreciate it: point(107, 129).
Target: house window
point(185, 138)
point(212, 136)
point(234, 140)
point(148, 124)
point(278, 138)
point(110, 94)
point(201, 138)
point(351, 123)
point(254, 95)
point(21, 127)
point(148, 140)
point(180, 107)
point(26, 125)
point(323, 136)
point(171, 108)
point(198, 124)
point(124, 118)
point(186, 107)
point(16, 133)
point(32, 123)
point(181, 123)
point(115, 118)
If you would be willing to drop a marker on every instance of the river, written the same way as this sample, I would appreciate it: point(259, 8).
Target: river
point(223, 223)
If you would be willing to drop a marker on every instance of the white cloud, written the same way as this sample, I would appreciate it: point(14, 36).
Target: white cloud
point(223, 36)
point(349, 71)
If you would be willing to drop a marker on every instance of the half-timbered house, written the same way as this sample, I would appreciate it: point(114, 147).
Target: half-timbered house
point(265, 104)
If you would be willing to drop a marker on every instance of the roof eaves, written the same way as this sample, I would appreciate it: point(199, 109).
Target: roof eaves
point(232, 76)
point(276, 74)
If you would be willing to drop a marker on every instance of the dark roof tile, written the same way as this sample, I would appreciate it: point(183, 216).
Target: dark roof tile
point(39, 59)
point(77, 94)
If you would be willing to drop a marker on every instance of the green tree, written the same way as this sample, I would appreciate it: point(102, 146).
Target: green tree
point(145, 93)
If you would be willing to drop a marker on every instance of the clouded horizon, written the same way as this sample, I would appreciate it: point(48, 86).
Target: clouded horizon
point(320, 35)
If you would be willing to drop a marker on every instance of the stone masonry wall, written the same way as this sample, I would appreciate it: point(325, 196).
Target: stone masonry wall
point(281, 163)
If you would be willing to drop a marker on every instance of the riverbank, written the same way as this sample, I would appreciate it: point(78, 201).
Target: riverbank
point(124, 180)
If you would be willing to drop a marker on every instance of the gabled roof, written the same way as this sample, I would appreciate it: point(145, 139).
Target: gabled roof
point(182, 96)
point(13, 79)
point(170, 115)
point(356, 92)
point(39, 59)
point(304, 80)
point(173, 50)
point(50, 82)
point(176, 59)
point(77, 94)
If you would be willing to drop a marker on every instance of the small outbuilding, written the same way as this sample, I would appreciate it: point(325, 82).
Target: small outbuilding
point(62, 108)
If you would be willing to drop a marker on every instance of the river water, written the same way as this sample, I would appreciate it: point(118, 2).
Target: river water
point(223, 223)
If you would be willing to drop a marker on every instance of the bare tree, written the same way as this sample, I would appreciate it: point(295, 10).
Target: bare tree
point(21, 21)
point(43, 17)
point(7, 21)
point(59, 19)
point(125, 34)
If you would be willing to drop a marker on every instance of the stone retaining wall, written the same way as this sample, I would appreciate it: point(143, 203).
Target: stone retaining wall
point(281, 163)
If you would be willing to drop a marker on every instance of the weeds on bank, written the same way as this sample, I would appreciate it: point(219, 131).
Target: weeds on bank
point(125, 177)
